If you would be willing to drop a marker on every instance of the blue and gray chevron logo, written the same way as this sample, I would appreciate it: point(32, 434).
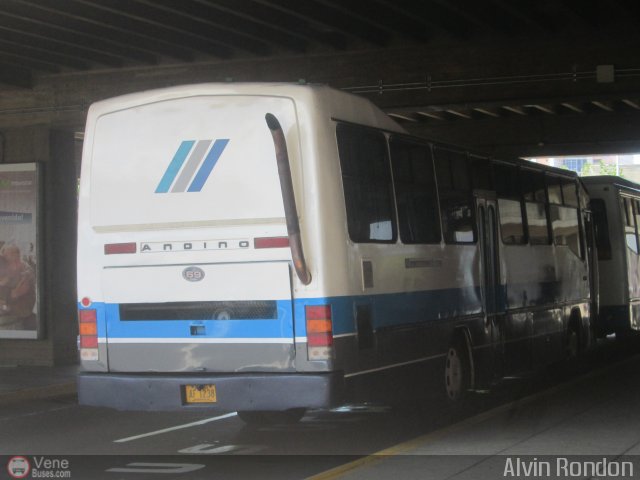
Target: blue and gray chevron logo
point(191, 165)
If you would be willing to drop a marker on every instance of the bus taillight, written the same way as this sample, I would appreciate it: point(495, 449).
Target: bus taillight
point(271, 242)
point(119, 248)
point(88, 329)
point(319, 332)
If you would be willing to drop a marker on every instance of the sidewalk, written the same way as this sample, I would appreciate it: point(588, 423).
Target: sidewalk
point(32, 383)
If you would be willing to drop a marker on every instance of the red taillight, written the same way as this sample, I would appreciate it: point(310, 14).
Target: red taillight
point(87, 316)
point(318, 312)
point(271, 242)
point(88, 342)
point(319, 326)
point(320, 339)
point(116, 248)
point(88, 329)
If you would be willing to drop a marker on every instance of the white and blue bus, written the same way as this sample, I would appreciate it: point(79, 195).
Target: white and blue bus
point(269, 248)
point(615, 203)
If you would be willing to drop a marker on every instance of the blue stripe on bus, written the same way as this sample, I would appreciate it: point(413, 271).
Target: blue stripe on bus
point(393, 309)
point(174, 167)
point(208, 164)
point(281, 327)
point(387, 310)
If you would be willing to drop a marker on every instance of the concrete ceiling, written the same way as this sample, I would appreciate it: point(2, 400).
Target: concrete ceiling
point(508, 76)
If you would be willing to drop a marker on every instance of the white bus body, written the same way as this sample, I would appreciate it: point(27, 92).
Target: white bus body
point(180, 307)
point(615, 203)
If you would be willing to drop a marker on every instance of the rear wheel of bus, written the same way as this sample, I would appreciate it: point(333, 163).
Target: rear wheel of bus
point(457, 371)
point(263, 417)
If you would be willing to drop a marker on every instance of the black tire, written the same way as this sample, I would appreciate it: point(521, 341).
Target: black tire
point(263, 417)
point(457, 371)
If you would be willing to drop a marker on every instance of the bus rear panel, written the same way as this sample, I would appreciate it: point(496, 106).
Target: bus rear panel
point(185, 285)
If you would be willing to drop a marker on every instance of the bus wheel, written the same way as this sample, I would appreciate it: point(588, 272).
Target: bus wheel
point(457, 371)
point(264, 417)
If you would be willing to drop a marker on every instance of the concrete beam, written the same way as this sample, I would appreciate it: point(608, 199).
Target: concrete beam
point(541, 134)
point(488, 71)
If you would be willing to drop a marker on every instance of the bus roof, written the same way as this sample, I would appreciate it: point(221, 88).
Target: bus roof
point(338, 104)
point(610, 180)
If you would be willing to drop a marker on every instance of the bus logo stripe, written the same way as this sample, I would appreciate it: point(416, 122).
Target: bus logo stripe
point(209, 162)
point(174, 166)
point(191, 166)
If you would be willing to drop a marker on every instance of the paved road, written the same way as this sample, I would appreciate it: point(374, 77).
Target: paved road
point(586, 409)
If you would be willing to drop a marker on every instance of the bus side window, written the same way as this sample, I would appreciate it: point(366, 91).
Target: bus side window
point(535, 198)
point(630, 227)
point(481, 173)
point(416, 197)
point(509, 206)
point(569, 193)
point(564, 213)
point(601, 225)
point(554, 189)
point(454, 189)
point(366, 178)
point(564, 221)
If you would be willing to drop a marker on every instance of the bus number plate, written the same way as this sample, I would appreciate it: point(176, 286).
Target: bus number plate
point(200, 394)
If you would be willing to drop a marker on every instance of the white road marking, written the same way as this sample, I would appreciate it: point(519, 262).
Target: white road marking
point(157, 468)
point(177, 427)
point(216, 449)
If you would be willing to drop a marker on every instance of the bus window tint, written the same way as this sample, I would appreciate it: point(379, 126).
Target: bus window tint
point(533, 185)
point(533, 191)
point(454, 188)
point(554, 189)
point(628, 210)
point(569, 192)
point(413, 177)
point(481, 173)
point(506, 179)
point(564, 222)
point(537, 223)
point(601, 225)
point(511, 225)
point(509, 206)
point(366, 179)
point(630, 229)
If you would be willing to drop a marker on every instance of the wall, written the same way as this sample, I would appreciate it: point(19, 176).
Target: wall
point(54, 150)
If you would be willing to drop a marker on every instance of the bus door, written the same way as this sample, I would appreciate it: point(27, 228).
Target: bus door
point(490, 266)
point(592, 263)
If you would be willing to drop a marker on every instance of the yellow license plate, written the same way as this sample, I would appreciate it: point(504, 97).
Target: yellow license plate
point(200, 394)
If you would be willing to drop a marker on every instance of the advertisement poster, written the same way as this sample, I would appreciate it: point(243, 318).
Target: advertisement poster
point(19, 312)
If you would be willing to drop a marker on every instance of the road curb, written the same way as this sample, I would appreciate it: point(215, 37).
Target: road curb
point(38, 393)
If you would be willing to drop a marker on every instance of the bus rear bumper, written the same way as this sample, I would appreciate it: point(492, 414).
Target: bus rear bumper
point(234, 392)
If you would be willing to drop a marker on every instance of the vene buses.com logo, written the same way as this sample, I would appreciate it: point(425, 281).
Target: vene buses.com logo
point(18, 467)
point(191, 165)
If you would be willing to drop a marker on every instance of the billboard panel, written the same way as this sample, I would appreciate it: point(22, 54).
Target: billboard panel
point(19, 286)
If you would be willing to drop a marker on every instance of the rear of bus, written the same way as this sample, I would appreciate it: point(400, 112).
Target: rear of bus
point(185, 285)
